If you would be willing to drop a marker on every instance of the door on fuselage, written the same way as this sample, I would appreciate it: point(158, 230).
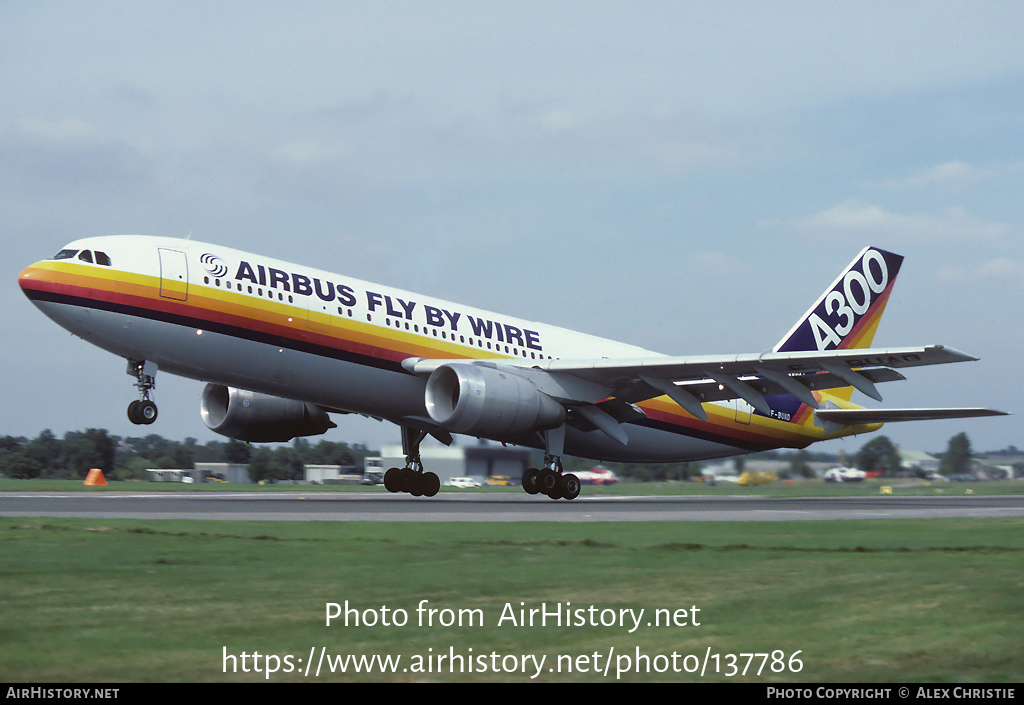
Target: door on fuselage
point(173, 274)
point(319, 314)
point(743, 411)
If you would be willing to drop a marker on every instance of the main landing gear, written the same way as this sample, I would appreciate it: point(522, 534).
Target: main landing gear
point(551, 481)
point(411, 478)
point(143, 411)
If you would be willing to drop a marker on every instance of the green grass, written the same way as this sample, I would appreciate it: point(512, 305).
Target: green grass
point(103, 600)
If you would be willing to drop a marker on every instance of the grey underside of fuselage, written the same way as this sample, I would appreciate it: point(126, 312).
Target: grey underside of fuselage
point(396, 396)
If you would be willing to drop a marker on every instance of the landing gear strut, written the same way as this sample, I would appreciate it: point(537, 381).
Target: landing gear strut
point(550, 479)
point(143, 411)
point(411, 478)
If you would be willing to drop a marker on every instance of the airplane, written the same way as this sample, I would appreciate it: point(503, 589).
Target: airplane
point(282, 346)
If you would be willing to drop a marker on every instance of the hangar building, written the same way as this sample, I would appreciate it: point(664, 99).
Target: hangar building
point(478, 461)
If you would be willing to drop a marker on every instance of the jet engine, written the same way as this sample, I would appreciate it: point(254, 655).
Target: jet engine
point(483, 401)
point(260, 418)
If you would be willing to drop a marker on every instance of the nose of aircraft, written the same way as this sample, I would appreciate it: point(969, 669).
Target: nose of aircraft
point(39, 282)
point(45, 287)
point(29, 277)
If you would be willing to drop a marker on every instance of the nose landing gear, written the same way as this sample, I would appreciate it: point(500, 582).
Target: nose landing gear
point(143, 411)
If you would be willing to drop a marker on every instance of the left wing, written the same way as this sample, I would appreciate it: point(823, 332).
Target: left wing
point(692, 380)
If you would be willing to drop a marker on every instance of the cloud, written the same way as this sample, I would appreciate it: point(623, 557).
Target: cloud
point(56, 157)
point(56, 133)
point(1000, 269)
point(951, 175)
point(955, 174)
point(856, 217)
point(310, 153)
point(684, 155)
point(560, 119)
point(714, 263)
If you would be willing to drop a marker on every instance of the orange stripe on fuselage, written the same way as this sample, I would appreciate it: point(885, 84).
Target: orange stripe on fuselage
point(289, 322)
point(722, 421)
point(212, 305)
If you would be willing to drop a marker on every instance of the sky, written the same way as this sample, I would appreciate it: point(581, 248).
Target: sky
point(688, 177)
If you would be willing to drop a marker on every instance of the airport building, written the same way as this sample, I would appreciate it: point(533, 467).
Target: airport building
point(483, 462)
point(202, 472)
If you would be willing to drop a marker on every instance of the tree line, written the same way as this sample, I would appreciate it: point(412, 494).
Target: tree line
point(72, 456)
point(879, 454)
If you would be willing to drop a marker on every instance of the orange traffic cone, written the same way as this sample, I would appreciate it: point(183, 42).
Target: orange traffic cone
point(95, 477)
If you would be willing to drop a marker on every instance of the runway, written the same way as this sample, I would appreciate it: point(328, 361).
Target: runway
point(364, 506)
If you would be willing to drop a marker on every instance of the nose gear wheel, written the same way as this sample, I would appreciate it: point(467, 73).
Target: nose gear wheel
point(143, 411)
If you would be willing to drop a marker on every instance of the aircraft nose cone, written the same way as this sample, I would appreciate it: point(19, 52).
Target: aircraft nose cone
point(29, 275)
point(36, 281)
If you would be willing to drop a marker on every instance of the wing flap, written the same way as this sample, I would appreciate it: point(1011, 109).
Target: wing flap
point(710, 390)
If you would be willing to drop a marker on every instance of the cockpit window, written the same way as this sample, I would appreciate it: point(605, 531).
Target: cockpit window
point(85, 256)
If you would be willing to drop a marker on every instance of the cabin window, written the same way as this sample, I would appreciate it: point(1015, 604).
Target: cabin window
point(65, 254)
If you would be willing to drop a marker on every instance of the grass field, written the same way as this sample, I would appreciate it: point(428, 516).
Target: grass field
point(102, 600)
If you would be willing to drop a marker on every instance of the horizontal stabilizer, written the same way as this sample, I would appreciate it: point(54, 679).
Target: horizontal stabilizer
point(855, 416)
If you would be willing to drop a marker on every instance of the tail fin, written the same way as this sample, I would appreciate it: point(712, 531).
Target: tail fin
point(847, 314)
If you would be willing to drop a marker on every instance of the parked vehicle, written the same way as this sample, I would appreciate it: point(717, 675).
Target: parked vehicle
point(462, 482)
point(844, 475)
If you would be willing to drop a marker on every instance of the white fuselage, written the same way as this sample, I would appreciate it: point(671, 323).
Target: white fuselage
point(220, 315)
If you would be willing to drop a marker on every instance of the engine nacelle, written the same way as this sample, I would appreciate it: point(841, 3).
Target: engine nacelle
point(260, 418)
point(483, 401)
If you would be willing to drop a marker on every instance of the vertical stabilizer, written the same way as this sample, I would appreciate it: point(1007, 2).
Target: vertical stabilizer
point(847, 314)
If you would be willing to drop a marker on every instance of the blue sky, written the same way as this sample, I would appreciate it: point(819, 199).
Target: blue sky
point(684, 176)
